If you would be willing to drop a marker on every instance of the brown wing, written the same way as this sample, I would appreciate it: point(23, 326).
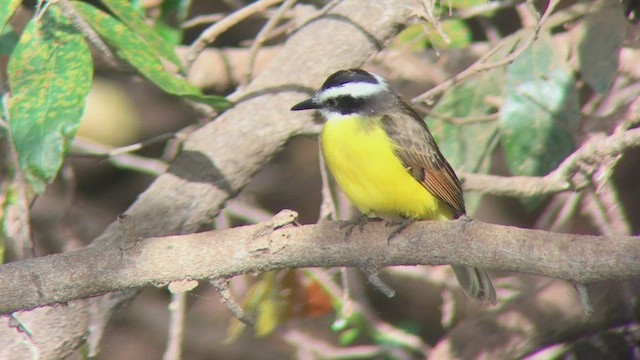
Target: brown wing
point(421, 157)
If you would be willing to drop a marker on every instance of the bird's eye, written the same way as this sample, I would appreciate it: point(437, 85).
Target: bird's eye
point(332, 102)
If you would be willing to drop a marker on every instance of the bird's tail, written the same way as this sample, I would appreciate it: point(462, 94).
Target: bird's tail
point(476, 283)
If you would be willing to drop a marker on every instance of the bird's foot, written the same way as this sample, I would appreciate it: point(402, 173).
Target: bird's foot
point(352, 224)
point(399, 226)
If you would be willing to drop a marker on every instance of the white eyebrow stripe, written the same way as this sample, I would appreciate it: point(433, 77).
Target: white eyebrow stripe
point(354, 89)
point(380, 79)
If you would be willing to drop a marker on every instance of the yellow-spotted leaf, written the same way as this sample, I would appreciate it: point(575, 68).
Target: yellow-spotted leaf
point(132, 18)
point(141, 56)
point(49, 75)
point(7, 8)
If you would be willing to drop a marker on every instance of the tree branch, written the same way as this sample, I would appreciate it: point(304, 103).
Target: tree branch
point(565, 177)
point(257, 248)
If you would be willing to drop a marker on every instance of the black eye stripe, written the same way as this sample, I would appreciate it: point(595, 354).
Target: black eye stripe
point(345, 103)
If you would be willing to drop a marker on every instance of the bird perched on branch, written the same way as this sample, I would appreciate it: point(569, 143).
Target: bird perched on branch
point(386, 161)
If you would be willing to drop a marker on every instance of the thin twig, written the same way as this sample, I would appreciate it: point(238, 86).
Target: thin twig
point(384, 329)
point(547, 13)
point(604, 210)
point(211, 33)
point(481, 9)
point(559, 211)
point(583, 298)
point(407, 340)
point(607, 195)
point(328, 207)
point(528, 14)
point(465, 120)
point(177, 309)
point(490, 31)
point(127, 161)
point(278, 31)
point(485, 157)
point(135, 147)
point(15, 322)
point(222, 286)
point(247, 212)
point(21, 328)
point(561, 179)
point(346, 309)
point(262, 36)
point(474, 69)
point(371, 272)
point(320, 349)
point(201, 20)
point(480, 65)
point(427, 13)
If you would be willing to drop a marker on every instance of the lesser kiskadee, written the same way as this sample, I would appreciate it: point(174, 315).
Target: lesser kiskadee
point(385, 160)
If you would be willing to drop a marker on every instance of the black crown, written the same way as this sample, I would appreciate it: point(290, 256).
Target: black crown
point(349, 76)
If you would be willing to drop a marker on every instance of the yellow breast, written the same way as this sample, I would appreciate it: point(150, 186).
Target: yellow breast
point(361, 158)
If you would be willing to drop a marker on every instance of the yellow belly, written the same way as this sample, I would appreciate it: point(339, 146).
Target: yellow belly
point(360, 156)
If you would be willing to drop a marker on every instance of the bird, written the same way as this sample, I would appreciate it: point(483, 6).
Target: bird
point(385, 160)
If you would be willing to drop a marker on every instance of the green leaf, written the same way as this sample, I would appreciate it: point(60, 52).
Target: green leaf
point(462, 4)
point(169, 33)
point(417, 37)
point(412, 36)
point(132, 18)
point(540, 112)
point(268, 316)
point(463, 127)
point(49, 74)
point(8, 40)
point(172, 14)
point(348, 336)
point(138, 53)
point(177, 8)
point(8, 200)
point(599, 37)
point(7, 8)
point(458, 32)
point(168, 15)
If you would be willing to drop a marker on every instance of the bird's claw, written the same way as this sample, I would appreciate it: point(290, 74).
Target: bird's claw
point(352, 224)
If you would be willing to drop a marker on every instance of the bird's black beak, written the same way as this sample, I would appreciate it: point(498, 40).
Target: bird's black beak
point(306, 105)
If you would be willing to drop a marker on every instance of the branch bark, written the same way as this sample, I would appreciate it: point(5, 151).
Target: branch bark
point(266, 246)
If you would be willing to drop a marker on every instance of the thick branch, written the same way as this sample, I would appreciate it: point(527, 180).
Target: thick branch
point(225, 253)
